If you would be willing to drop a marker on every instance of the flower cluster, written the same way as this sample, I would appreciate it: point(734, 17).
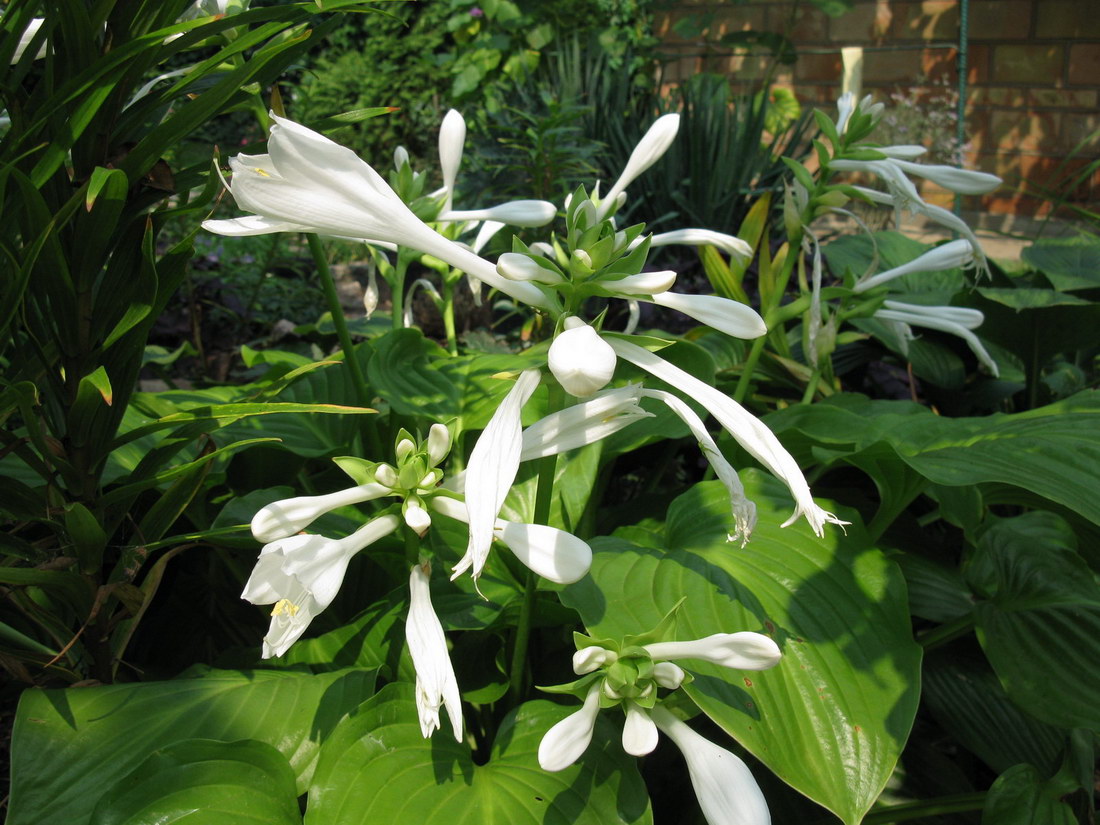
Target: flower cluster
point(630, 674)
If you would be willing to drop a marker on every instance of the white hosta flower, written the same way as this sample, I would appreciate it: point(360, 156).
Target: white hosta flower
point(518, 267)
point(730, 244)
point(901, 152)
point(668, 675)
point(750, 433)
point(435, 676)
point(452, 137)
point(547, 551)
point(514, 213)
point(590, 421)
point(723, 784)
point(743, 651)
point(903, 194)
point(744, 511)
point(492, 469)
point(954, 320)
point(439, 443)
point(567, 741)
point(301, 575)
point(580, 359)
point(654, 143)
point(845, 105)
point(639, 732)
point(951, 255)
point(644, 283)
point(588, 659)
point(308, 183)
point(961, 181)
point(722, 314)
point(417, 519)
point(292, 515)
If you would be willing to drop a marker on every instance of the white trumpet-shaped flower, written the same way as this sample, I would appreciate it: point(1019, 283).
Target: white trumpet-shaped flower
point(292, 515)
point(650, 148)
point(493, 464)
point(639, 732)
point(515, 213)
point(547, 551)
point(951, 255)
point(723, 783)
point(747, 430)
point(731, 317)
point(308, 183)
point(452, 137)
point(744, 511)
point(744, 650)
point(567, 741)
point(580, 359)
point(957, 321)
point(435, 676)
point(590, 421)
point(300, 575)
point(644, 283)
point(961, 181)
point(730, 244)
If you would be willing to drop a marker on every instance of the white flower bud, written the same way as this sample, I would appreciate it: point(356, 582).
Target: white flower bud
point(592, 658)
point(515, 266)
point(439, 443)
point(418, 519)
point(403, 448)
point(385, 474)
point(582, 362)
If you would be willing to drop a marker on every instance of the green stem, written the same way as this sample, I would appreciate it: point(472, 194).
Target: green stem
point(337, 311)
point(927, 808)
point(747, 370)
point(397, 289)
point(811, 386)
point(543, 499)
point(947, 632)
point(449, 316)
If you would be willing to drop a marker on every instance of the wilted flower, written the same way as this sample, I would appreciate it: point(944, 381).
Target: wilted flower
point(435, 676)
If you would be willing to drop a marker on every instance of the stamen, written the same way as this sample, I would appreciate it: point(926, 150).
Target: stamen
point(284, 607)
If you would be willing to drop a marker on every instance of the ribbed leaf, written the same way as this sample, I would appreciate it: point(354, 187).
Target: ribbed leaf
point(831, 719)
point(69, 746)
point(1021, 797)
point(377, 767)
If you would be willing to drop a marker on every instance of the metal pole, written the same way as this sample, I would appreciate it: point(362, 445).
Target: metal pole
point(960, 125)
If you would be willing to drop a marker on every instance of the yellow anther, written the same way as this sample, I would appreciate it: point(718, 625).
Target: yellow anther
point(284, 606)
point(261, 172)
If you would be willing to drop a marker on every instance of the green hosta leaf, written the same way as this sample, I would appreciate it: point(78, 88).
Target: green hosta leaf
point(205, 781)
point(1021, 797)
point(106, 732)
point(936, 592)
point(1068, 263)
point(968, 701)
point(1052, 451)
point(1039, 621)
point(831, 719)
point(377, 767)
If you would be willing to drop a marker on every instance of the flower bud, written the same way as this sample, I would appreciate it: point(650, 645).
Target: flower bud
point(439, 443)
point(515, 266)
point(417, 518)
point(582, 362)
point(592, 658)
point(403, 448)
point(385, 474)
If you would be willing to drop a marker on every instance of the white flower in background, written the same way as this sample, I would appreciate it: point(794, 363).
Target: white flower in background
point(300, 576)
point(951, 255)
point(845, 105)
point(954, 320)
point(308, 183)
point(435, 676)
point(960, 181)
point(654, 143)
point(726, 790)
point(723, 783)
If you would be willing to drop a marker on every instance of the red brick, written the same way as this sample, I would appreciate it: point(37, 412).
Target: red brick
point(1068, 19)
point(737, 19)
point(995, 96)
point(811, 26)
point(1028, 64)
point(1021, 130)
point(939, 64)
point(1084, 63)
point(999, 19)
point(820, 67)
point(863, 24)
point(903, 64)
point(977, 64)
point(1063, 98)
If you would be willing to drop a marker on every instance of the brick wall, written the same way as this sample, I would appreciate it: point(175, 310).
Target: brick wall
point(1034, 74)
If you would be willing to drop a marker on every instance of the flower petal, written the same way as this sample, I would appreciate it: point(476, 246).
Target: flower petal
point(731, 317)
point(639, 732)
point(650, 148)
point(491, 471)
point(582, 362)
point(747, 430)
point(743, 651)
point(435, 676)
point(567, 741)
point(723, 784)
point(730, 244)
point(292, 515)
point(604, 414)
point(549, 552)
point(513, 213)
point(452, 138)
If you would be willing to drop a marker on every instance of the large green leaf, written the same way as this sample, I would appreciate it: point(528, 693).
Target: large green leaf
point(69, 746)
point(832, 718)
point(377, 767)
point(205, 782)
point(1021, 797)
point(1039, 618)
point(1052, 451)
point(1068, 263)
point(854, 253)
